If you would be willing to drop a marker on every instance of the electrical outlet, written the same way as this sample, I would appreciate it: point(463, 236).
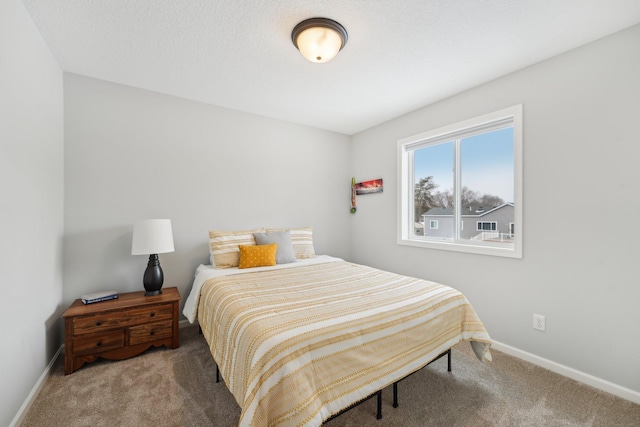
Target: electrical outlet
point(538, 322)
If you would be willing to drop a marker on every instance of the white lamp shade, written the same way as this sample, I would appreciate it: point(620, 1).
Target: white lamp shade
point(152, 236)
point(319, 44)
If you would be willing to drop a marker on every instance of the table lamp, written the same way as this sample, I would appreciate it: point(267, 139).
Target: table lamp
point(153, 237)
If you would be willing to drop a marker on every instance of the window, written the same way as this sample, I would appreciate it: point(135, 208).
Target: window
point(487, 226)
point(466, 172)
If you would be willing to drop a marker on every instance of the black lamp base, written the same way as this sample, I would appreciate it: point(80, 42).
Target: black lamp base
point(153, 277)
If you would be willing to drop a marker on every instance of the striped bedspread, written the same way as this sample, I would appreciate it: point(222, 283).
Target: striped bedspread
point(297, 345)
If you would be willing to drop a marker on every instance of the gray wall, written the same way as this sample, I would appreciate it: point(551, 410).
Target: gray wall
point(445, 226)
point(132, 154)
point(581, 154)
point(31, 209)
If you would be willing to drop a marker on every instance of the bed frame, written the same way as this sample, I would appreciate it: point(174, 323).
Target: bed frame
point(377, 394)
point(395, 385)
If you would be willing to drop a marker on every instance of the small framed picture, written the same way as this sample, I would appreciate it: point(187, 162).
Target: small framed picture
point(369, 187)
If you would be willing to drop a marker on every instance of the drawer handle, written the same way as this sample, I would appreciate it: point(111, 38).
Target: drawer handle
point(152, 314)
point(153, 332)
point(98, 323)
point(99, 344)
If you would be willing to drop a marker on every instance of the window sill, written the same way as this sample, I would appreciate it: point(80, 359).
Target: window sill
point(514, 251)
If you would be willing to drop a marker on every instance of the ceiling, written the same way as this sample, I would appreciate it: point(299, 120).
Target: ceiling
point(401, 54)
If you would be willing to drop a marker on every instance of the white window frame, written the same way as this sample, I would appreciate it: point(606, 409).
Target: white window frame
point(405, 213)
point(432, 222)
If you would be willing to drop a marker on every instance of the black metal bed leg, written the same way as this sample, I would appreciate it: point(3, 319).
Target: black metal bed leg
point(217, 374)
point(395, 385)
point(395, 394)
point(379, 413)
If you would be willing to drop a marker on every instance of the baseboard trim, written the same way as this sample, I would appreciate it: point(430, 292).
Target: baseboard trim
point(566, 371)
point(22, 412)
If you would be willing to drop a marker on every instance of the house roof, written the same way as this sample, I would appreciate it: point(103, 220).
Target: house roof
point(400, 55)
point(466, 211)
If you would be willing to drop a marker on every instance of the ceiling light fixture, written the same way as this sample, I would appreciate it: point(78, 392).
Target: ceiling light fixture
point(319, 39)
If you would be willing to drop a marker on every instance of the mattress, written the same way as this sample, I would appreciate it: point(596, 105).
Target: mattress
point(297, 344)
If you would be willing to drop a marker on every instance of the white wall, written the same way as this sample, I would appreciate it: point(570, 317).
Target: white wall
point(581, 188)
point(132, 154)
point(31, 209)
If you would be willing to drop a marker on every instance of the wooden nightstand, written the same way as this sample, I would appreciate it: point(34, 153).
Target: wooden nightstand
point(120, 328)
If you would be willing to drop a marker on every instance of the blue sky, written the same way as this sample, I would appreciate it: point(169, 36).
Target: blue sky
point(487, 164)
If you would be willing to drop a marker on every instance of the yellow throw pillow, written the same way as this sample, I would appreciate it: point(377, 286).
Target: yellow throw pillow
point(257, 256)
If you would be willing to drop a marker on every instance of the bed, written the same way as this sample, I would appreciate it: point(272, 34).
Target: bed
point(297, 343)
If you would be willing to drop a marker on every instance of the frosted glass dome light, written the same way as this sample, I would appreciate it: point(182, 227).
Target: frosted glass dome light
point(319, 39)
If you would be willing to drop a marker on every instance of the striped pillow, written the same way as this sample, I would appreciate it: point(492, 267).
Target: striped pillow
point(302, 240)
point(223, 246)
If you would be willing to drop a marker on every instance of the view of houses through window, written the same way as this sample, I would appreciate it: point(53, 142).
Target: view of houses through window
point(460, 186)
point(485, 178)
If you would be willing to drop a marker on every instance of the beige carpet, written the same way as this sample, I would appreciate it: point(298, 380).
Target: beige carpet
point(177, 388)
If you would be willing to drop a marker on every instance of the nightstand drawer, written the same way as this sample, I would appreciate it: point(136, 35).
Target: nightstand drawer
point(153, 313)
point(150, 332)
point(134, 316)
point(90, 344)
